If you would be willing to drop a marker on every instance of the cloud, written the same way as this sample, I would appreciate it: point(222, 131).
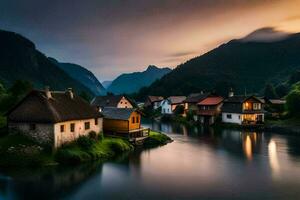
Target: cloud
point(266, 34)
point(182, 54)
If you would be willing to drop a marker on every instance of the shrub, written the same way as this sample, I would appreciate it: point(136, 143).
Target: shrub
point(93, 135)
point(85, 142)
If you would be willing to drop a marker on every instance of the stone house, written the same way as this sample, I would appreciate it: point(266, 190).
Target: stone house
point(54, 118)
point(117, 101)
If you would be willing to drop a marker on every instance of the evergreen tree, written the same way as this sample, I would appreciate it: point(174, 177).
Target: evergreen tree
point(270, 91)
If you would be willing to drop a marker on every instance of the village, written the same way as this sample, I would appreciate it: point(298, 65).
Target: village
point(59, 117)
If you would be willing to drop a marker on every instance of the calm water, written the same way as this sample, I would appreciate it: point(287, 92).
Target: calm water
point(199, 164)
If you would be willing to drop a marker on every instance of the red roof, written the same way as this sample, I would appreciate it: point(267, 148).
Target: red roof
point(210, 101)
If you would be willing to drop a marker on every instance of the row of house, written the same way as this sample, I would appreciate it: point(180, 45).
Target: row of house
point(206, 107)
point(57, 117)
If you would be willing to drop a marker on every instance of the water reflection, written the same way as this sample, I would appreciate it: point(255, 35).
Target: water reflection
point(201, 163)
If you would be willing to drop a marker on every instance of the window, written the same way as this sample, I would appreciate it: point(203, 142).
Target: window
point(229, 116)
point(62, 128)
point(256, 106)
point(32, 127)
point(121, 102)
point(125, 102)
point(96, 121)
point(132, 120)
point(72, 127)
point(87, 125)
point(137, 119)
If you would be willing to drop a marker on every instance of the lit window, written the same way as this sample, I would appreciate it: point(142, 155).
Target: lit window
point(62, 128)
point(87, 125)
point(256, 106)
point(72, 127)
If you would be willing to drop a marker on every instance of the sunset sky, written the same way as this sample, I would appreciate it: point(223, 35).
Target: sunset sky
point(117, 36)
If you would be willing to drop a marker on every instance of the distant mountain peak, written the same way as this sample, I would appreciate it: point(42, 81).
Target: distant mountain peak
point(152, 67)
point(266, 34)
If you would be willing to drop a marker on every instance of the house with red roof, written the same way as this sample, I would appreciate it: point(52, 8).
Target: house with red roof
point(209, 108)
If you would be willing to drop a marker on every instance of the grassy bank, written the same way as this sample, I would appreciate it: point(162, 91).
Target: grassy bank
point(156, 139)
point(17, 150)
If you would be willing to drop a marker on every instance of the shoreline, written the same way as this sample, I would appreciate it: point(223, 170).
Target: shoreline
point(19, 151)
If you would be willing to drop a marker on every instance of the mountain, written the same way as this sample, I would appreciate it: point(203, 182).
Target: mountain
point(106, 84)
point(20, 60)
point(245, 64)
point(132, 82)
point(81, 74)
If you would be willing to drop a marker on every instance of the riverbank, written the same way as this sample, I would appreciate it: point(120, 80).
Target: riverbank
point(17, 150)
point(291, 125)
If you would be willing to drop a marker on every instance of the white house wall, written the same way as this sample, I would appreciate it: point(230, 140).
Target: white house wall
point(235, 118)
point(68, 136)
point(166, 108)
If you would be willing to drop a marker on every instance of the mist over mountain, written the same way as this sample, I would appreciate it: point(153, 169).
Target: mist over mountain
point(133, 82)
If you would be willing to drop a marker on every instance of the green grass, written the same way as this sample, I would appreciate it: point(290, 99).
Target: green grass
point(156, 139)
point(17, 150)
point(99, 150)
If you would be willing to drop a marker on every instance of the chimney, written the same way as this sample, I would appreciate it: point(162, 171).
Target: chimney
point(47, 92)
point(230, 93)
point(70, 92)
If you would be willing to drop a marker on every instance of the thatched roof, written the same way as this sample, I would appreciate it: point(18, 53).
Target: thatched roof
point(37, 107)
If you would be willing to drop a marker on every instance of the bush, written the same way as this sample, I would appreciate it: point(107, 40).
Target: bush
point(119, 145)
point(93, 135)
point(293, 100)
point(179, 110)
point(85, 142)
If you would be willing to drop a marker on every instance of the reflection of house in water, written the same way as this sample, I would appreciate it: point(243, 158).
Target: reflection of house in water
point(242, 143)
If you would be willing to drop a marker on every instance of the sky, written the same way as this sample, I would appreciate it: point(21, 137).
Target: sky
point(110, 37)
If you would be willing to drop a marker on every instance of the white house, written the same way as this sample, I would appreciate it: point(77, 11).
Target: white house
point(54, 118)
point(243, 110)
point(169, 105)
point(154, 102)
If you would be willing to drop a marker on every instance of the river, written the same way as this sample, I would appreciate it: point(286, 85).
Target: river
point(199, 164)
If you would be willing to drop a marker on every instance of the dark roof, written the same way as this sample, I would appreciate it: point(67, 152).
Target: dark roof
point(234, 104)
point(176, 99)
point(277, 101)
point(36, 107)
point(155, 98)
point(108, 101)
point(240, 99)
point(195, 98)
point(117, 113)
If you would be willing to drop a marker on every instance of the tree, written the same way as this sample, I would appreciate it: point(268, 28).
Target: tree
point(20, 88)
point(179, 110)
point(85, 96)
point(270, 91)
point(293, 100)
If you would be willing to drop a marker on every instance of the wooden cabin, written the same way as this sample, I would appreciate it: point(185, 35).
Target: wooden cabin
point(123, 122)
